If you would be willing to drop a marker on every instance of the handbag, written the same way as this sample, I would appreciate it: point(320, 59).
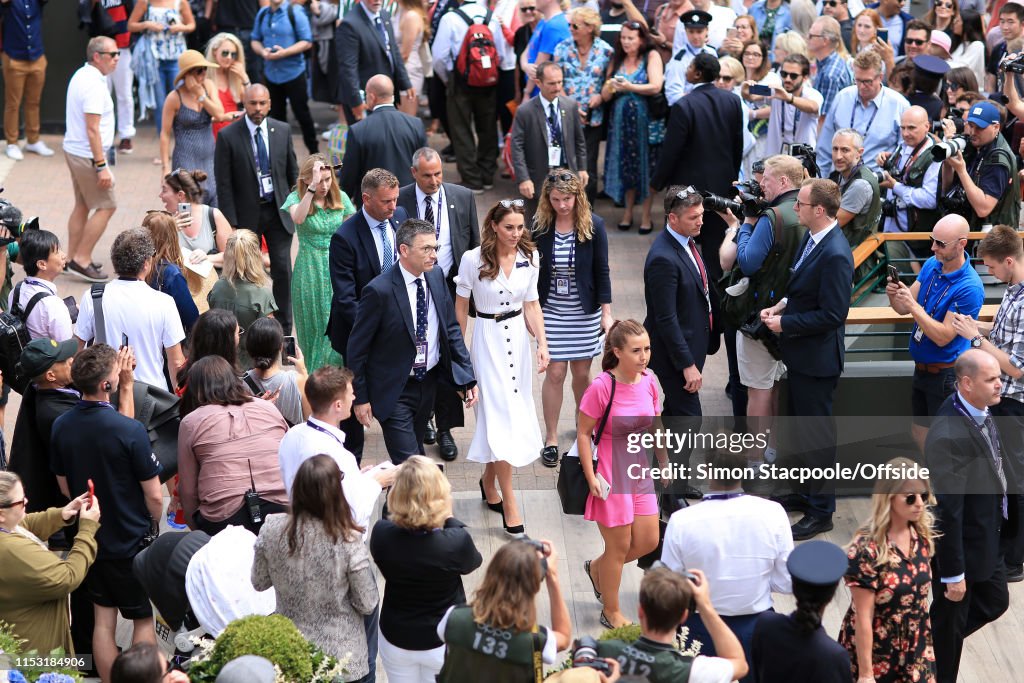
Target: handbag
point(572, 484)
point(157, 410)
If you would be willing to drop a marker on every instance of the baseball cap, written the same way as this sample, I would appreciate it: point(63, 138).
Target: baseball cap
point(983, 114)
point(942, 39)
point(40, 355)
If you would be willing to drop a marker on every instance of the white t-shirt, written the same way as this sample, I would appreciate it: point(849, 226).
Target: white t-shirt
point(787, 124)
point(87, 94)
point(149, 318)
point(710, 670)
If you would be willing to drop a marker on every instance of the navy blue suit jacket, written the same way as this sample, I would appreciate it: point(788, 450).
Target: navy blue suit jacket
point(591, 267)
point(382, 346)
point(353, 263)
point(677, 311)
point(814, 322)
point(385, 139)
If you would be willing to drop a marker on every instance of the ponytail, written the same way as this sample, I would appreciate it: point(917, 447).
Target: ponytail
point(616, 338)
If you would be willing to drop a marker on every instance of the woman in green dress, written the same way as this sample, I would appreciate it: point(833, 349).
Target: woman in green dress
point(318, 207)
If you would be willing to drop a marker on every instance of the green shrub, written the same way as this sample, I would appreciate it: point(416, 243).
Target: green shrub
point(12, 646)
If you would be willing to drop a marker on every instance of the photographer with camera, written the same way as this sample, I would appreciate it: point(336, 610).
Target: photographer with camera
point(910, 177)
point(860, 205)
point(668, 599)
point(979, 175)
point(763, 249)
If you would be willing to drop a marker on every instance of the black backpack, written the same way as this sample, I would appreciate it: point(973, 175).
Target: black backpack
point(14, 337)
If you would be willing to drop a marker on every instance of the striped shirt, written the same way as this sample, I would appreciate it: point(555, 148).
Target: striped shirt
point(1008, 336)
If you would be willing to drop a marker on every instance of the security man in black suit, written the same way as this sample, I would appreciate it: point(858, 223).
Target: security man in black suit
point(811, 321)
point(976, 483)
point(386, 139)
point(255, 167)
point(362, 248)
point(706, 125)
point(451, 209)
point(406, 337)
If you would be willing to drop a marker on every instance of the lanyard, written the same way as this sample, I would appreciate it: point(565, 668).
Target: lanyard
point(1001, 313)
point(85, 404)
point(721, 496)
point(309, 423)
point(853, 114)
point(796, 122)
point(927, 295)
point(40, 283)
point(571, 263)
point(912, 159)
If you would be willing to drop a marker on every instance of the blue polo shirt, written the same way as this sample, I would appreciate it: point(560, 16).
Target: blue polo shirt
point(939, 293)
point(23, 29)
point(274, 27)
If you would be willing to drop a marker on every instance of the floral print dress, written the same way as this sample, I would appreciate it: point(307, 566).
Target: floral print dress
point(634, 141)
point(902, 631)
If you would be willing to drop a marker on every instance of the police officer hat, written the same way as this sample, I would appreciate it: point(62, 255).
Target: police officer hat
point(696, 19)
point(817, 563)
point(931, 65)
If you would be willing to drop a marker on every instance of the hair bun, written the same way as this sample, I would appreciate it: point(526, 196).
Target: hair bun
point(198, 175)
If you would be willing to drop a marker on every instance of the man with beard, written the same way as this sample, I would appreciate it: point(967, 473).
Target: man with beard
point(795, 107)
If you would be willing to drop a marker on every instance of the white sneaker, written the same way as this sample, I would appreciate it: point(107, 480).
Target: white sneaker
point(14, 152)
point(39, 147)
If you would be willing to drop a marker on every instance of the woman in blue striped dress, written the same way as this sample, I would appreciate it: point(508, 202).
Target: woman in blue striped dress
point(575, 292)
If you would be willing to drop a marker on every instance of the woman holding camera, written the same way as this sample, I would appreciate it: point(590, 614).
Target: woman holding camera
point(422, 552)
point(496, 636)
point(575, 292)
point(626, 510)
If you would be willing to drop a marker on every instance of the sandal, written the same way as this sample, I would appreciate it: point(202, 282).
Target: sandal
point(586, 569)
point(604, 621)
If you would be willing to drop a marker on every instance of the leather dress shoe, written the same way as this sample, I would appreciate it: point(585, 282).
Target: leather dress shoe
point(449, 451)
point(809, 527)
point(1014, 574)
point(430, 436)
point(549, 456)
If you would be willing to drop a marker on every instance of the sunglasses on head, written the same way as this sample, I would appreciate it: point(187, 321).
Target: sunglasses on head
point(912, 498)
point(635, 25)
point(564, 177)
point(228, 54)
point(510, 203)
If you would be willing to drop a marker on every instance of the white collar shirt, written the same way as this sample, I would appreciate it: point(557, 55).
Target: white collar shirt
point(433, 350)
point(442, 226)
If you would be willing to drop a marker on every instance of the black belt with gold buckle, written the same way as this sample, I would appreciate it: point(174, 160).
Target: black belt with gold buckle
point(498, 317)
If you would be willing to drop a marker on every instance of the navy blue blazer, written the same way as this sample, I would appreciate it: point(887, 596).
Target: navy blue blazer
point(814, 322)
point(591, 268)
point(353, 263)
point(382, 346)
point(386, 138)
point(677, 311)
point(780, 654)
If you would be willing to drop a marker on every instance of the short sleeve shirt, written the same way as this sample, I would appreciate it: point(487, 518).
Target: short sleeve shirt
point(87, 94)
point(856, 197)
point(939, 293)
point(285, 26)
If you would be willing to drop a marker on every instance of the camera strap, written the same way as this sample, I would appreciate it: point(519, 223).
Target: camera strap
point(538, 660)
point(910, 162)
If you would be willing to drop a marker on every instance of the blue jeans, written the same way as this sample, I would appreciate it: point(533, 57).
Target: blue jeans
point(371, 623)
point(167, 69)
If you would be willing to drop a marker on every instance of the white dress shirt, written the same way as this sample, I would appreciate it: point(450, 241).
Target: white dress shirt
point(252, 142)
point(50, 318)
point(741, 544)
point(433, 350)
point(303, 442)
point(373, 223)
point(442, 227)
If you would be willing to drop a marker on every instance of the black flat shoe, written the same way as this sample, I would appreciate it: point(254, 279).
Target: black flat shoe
point(809, 527)
point(449, 451)
point(549, 456)
point(493, 507)
point(430, 436)
point(586, 569)
point(645, 230)
point(625, 226)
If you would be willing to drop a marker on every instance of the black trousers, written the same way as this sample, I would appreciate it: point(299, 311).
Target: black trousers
point(815, 445)
point(437, 100)
point(679, 403)
point(448, 405)
point(592, 138)
point(239, 518)
point(984, 602)
point(711, 235)
point(354, 437)
point(506, 91)
point(473, 132)
point(737, 392)
point(405, 427)
point(279, 247)
point(294, 91)
point(1009, 415)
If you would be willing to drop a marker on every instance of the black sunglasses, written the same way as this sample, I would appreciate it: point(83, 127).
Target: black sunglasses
point(789, 75)
point(635, 25)
point(528, 9)
point(564, 177)
point(914, 41)
point(943, 245)
point(113, 53)
point(228, 55)
point(509, 203)
point(832, 3)
point(912, 498)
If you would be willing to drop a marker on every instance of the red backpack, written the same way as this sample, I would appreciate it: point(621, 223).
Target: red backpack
point(477, 62)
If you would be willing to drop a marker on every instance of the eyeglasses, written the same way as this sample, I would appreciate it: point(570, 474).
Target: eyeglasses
point(789, 75)
point(914, 41)
point(866, 81)
point(227, 54)
point(429, 249)
point(752, 53)
point(944, 5)
point(509, 203)
point(943, 245)
point(528, 9)
point(564, 177)
point(576, 27)
point(815, 35)
point(726, 79)
point(23, 501)
point(954, 86)
point(912, 498)
point(797, 204)
point(832, 3)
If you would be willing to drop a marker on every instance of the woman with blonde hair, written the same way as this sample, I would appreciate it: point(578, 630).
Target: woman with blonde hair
point(242, 288)
point(318, 207)
point(887, 629)
point(167, 274)
point(792, 43)
point(731, 74)
point(229, 78)
point(504, 613)
point(575, 292)
point(422, 552)
point(501, 276)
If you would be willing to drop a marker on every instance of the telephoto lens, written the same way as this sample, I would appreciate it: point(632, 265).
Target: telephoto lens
point(949, 148)
point(585, 654)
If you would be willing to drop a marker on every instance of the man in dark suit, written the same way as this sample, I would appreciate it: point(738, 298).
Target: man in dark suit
point(976, 484)
point(707, 124)
point(366, 46)
point(811, 321)
point(547, 133)
point(255, 168)
point(386, 139)
point(451, 209)
point(405, 338)
point(362, 248)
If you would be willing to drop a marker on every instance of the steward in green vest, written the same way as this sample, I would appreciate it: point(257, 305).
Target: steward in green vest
point(496, 639)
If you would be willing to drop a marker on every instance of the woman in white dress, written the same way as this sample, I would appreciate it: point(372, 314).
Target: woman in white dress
point(412, 28)
point(501, 275)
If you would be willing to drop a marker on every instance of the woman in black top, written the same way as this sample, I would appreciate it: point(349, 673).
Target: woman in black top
point(422, 552)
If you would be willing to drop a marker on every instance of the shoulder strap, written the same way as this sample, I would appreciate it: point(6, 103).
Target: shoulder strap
point(538, 659)
point(99, 332)
point(16, 300)
point(487, 19)
point(776, 222)
point(36, 298)
point(291, 17)
point(607, 411)
point(465, 17)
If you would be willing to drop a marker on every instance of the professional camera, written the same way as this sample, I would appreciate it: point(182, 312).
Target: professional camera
point(889, 208)
point(1013, 62)
point(12, 219)
point(887, 167)
point(755, 329)
point(749, 187)
point(955, 201)
point(807, 157)
point(956, 115)
point(584, 653)
point(713, 202)
point(949, 148)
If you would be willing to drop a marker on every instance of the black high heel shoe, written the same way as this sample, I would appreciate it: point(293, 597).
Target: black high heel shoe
point(517, 531)
point(493, 507)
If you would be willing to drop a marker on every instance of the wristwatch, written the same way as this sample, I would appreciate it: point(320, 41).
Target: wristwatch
point(976, 341)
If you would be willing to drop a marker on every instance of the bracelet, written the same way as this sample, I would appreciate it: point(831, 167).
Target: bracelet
point(99, 164)
point(310, 189)
point(100, 167)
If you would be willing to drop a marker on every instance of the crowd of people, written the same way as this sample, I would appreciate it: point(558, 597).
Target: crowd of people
point(763, 142)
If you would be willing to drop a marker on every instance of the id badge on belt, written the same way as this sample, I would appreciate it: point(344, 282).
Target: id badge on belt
point(421, 355)
point(266, 184)
point(554, 155)
point(562, 286)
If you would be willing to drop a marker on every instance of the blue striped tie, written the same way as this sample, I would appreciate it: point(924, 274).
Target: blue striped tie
point(387, 258)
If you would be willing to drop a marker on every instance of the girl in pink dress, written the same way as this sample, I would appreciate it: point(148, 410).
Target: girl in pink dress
point(628, 516)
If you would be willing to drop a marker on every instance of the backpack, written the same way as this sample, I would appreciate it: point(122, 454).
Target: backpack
point(477, 63)
point(14, 337)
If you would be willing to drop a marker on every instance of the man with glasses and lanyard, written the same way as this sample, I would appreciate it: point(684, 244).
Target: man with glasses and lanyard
point(946, 285)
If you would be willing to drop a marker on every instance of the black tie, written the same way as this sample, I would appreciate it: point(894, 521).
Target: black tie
point(428, 210)
point(421, 325)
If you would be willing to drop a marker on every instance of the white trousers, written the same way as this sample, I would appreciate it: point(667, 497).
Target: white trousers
point(120, 85)
point(410, 666)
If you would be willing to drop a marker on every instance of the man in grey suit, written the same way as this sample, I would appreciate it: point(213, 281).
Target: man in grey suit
point(387, 139)
point(547, 133)
point(255, 167)
point(451, 209)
